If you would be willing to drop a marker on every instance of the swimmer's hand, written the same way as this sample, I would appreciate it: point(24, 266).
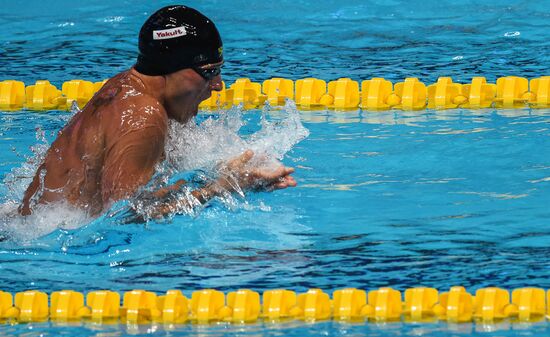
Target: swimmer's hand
point(239, 176)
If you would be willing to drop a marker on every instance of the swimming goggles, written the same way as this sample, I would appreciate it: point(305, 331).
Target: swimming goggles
point(209, 73)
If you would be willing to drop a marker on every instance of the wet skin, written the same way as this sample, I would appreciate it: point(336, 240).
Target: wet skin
point(110, 148)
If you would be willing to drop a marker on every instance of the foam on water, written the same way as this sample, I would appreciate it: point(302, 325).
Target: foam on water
point(205, 145)
point(17, 181)
point(194, 151)
point(44, 220)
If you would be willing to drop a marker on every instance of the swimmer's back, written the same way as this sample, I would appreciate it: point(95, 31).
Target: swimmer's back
point(73, 168)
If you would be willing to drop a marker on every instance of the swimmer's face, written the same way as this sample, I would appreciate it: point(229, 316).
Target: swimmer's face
point(212, 80)
point(186, 89)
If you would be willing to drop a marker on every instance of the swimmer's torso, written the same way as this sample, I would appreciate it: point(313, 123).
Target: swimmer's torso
point(83, 159)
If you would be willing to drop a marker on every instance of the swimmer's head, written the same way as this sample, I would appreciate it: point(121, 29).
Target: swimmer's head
point(178, 37)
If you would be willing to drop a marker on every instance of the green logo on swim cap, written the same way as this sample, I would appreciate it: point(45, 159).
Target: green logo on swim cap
point(220, 51)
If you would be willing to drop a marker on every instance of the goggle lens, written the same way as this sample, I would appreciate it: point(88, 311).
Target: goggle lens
point(209, 73)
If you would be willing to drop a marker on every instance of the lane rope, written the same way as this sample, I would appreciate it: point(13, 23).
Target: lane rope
point(244, 306)
point(375, 94)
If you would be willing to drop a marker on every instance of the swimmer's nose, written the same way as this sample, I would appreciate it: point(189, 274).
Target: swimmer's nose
point(216, 83)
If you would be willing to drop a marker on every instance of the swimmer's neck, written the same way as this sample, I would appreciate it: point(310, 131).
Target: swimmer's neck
point(179, 103)
point(153, 85)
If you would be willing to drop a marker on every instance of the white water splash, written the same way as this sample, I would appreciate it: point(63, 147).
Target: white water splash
point(203, 146)
point(190, 148)
point(19, 178)
point(44, 220)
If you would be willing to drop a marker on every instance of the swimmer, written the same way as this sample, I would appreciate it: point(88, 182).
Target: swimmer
point(107, 151)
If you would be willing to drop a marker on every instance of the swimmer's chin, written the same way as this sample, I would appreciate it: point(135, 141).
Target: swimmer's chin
point(185, 117)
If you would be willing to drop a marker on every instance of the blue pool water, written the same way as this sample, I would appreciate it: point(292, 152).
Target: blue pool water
point(401, 199)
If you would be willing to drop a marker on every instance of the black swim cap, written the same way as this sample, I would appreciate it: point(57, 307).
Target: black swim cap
point(177, 37)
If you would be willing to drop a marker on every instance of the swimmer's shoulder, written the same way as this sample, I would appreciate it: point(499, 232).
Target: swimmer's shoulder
point(126, 92)
point(136, 91)
point(134, 109)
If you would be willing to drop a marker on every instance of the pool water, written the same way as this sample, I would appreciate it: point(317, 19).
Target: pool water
point(400, 199)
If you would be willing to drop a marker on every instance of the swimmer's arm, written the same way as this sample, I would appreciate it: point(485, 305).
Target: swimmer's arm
point(223, 186)
point(236, 177)
point(165, 191)
point(25, 207)
point(202, 195)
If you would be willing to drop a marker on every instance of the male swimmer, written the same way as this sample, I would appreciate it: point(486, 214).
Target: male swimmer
point(109, 150)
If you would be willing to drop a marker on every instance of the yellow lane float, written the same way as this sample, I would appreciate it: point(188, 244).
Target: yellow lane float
point(375, 94)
